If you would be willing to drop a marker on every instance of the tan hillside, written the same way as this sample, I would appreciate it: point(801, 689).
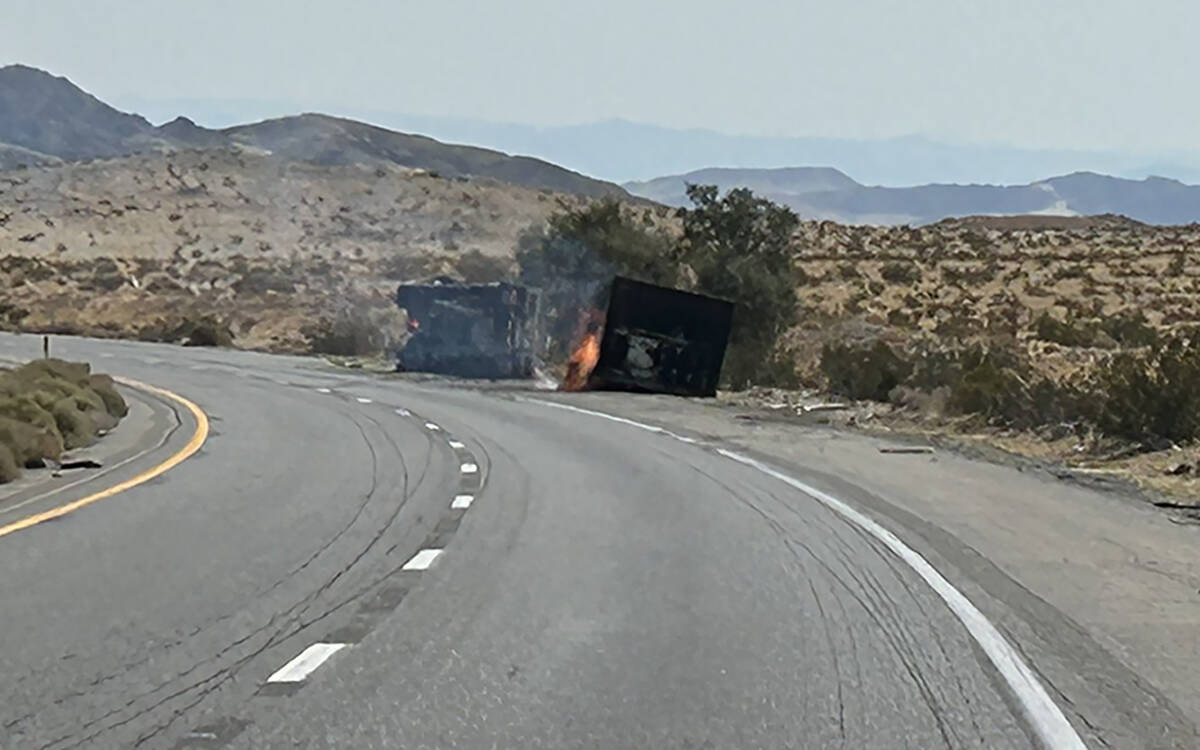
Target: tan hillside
point(116, 245)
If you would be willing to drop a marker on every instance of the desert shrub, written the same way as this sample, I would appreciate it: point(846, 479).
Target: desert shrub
point(352, 332)
point(48, 390)
point(73, 372)
point(1071, 332)
point(263, 280)
point(10, 470)
point(77, 427)
point(988, 390)
point(206, 331)
point(863, 370)
point(474, 267)
point(201, 330)
point(899, 272)
point(1150, 396)
point(1069, 271)
point(28, 444)
point(24, 408)
point(114, 403)
point(408, 267)
point(1130, 328)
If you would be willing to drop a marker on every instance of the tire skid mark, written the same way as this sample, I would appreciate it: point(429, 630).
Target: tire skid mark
point(386, 598)
point(292, 613)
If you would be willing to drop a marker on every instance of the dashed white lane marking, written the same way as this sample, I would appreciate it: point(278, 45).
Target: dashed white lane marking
point(404, 412)
point(1044, 715)
point(462, 502)
point(363, 400)
point(324, 390)
point(422, 560)
point(432, 426)
point(107, 355)
point(303, 665)
point(456, 444)
point(470, 468)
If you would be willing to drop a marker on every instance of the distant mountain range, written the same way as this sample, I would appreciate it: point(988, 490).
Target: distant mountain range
point(45, 119)
point(826, 193)
point(620, 150)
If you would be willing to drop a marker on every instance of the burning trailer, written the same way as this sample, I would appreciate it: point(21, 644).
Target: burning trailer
point(469, 330)
point(655, 340)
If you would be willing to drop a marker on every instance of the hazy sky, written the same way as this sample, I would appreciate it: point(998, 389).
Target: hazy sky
point(1095, 74)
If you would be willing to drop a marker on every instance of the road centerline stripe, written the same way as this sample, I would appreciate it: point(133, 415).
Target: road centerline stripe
point(423, 559)
point(307, 662)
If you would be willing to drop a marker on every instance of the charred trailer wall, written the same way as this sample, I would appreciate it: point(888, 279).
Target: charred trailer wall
point(470, 330)
point(662, 340)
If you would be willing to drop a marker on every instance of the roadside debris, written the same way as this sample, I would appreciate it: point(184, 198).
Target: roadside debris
point(1179, 470)
point(824, 407)
point(907, 449)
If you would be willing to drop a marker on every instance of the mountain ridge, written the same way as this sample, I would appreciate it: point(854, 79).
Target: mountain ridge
point(44, 117)
point(1152, 200)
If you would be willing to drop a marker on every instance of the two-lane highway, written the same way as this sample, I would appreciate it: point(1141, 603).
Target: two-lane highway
point(476, 570)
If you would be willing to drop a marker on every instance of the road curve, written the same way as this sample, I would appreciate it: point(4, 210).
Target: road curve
point(597, 586)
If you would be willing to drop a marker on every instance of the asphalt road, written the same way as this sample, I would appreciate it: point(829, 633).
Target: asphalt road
point(607, 587)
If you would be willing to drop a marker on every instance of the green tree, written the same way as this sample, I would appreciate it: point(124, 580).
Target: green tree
point(573, 258)
point(739, 247)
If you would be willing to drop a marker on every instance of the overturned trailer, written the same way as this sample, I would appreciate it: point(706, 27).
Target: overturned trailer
point(469, 330)
point(661, 340)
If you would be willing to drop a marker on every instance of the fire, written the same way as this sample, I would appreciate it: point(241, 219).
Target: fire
point(583, 360)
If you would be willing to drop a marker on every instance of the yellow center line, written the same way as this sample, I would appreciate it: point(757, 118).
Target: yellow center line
point(193, 445)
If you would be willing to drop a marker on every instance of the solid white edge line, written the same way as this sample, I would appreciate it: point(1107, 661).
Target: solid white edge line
point(469, 468)
point(462, 502)
point(422, 560)
point(306, 663)
point(1045, 716)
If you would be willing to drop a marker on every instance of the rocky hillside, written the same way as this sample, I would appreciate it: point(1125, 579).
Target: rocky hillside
point(827, 194)
point(44, 119)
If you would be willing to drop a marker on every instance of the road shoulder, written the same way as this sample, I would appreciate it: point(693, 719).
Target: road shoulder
point(1100, 590)
point(144, 432)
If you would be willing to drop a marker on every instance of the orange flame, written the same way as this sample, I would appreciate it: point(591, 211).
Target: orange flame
point(583, 360)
